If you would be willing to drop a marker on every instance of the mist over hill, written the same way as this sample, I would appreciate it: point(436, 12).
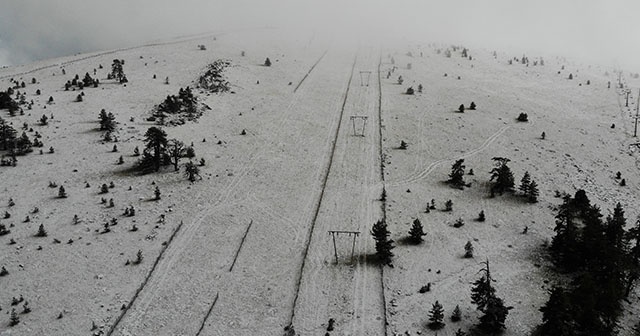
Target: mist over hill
point(597, 31)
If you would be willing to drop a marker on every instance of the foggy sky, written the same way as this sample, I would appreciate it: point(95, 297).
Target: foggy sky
point(601, 31)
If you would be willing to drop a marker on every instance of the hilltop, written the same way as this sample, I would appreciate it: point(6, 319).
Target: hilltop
point(245, 249)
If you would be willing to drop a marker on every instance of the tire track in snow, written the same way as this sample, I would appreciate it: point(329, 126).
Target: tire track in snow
point(427, 170)
point(319, 202)
point(174, 251)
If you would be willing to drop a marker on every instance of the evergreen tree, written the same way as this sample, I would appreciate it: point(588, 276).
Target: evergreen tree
point(176, 151)
point(107, 121)
point(456, 177)
point(456, 315)
point(436, 315)
point(482, 289)
point(384, 245)
point(62, 193)
point(633, 237)
point(524, 183)
point(41, 231)
point(416, 232)
point(556, 314)
point(14, 319)
point(472, 106)
point(468, 249)
point(267, 62)
point(157, 193)
point(191, 171)
point(155, 151)
point(117, 69)
point(483, 295)
point(532, 193)
point(7, 135)
point(503, 176)
point(494, 315)
point(461, 108)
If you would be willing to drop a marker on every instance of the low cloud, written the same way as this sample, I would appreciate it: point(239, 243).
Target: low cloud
point(601, 31)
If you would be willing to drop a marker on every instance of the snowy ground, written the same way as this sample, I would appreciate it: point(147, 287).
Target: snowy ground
point(250, 252)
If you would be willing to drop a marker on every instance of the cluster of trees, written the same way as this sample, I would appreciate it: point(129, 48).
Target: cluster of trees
point(212, 79)
point(11, 142)
point(185, 102)
point(6, 102)
point(160, 151)
point(483, 295)
point(107, 123)
point(604, 262)
point(87, 81)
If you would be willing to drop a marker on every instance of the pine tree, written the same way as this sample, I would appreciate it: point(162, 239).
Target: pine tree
point(494, 315)
point(14, 319)
point(117, 70)
point(503, 176)
point(633, 238)
point(176, 151)
point(468, 250)
point(156, 147)
point(41, 231)
point(107, 121)
point(460, 333)
point(157, 193)
point(461, 108)
point(556, 314)
point(416, 232)
point(384, 245)
point(472, 106)
point(524, 183)
point(191, 171)
point(482, 289)
point(456, 177)
point(456, 315)
point(436, 315)
point(62, 193)
point(481, 216)
point(483, 295)
point(532, 195)
point(267, 62)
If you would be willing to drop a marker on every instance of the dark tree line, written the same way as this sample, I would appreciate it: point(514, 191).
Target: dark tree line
point(6, 102)
point(603, 260)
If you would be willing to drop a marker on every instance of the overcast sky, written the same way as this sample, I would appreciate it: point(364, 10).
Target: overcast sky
point(603, 31)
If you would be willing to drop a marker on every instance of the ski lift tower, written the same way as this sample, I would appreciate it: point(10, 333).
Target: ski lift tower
point(353, 234)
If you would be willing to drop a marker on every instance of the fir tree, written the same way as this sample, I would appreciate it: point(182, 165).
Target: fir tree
point(267, 62)
point(484, 297)
point(494, 316)
point(524, 183)
point(482, 290)
point(456, 177)
point(41, 231)
point(556, 314)
point(532, 193)
point(191, 171)
point(472, 106)
point(176, 151)
point(468, 249)
point(416, 232)
point(157, 193)
point(456, 315)
point(156, 147)
point(461, 108)
point(117, 70)
point(62, 193)
point(436, 315)
point(14, 319)
point(384, 245)
point(503, 176)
